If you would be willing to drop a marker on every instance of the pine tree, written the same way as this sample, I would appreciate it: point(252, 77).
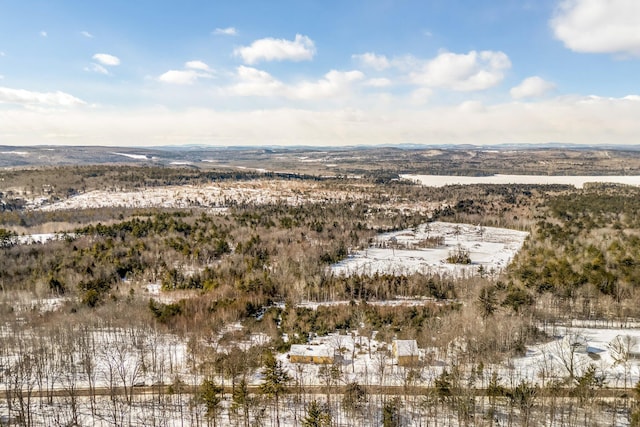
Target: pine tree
point(242, 400)
point(317, 416)
point(211, 396)
point(275, 381)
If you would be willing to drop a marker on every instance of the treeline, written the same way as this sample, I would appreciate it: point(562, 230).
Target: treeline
point(585, 251)
point(271, 250)
point(57, 183)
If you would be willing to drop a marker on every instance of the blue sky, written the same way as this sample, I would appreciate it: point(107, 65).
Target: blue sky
point(319, 72)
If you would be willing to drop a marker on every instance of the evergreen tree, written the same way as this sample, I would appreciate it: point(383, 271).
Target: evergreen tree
point(242, 400)
point(275, 381)
point(317, 416)
point(211, 396)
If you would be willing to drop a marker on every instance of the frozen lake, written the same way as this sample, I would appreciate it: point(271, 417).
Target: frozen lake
point(576, 181)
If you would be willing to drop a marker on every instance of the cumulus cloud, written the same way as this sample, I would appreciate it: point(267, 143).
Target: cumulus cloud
point(598, 26)
point(86, 34)
point(179, 77)
point(43, 99)
point(255, 82)
point(193, 71)
point(333, 84)
point(229, 31)
point(106, 59)
point(197, 65)
point(463, 72)
point(302, 48)
point(531, 87)
point(371, 60)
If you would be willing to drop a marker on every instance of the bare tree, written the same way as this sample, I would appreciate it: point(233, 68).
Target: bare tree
point(567, 350)
point(620, 349)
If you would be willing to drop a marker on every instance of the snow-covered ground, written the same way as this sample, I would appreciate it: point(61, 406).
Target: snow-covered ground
point(614, 352)
point(576, 181)
point(28, 239)
point(212, 195)
point(400, 252)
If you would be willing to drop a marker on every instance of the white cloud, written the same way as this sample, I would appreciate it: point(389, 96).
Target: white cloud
point(87, 34)
point(179, 77)
point(407, 63)
point(229, 31)
point(420, 96)
point(573, 120)
point(471, 107)
point(106, 59)
point(193, 71)
point(599, 26)
point(463, 72)
point(301, 48)
point(43, 34)
point(97, 68)
point(197, 65)
point(333, 84)
point(378, 82)
point(531, 87)
point(371, 60)
point(2, 54)
point(254, 82)
point(44, 99)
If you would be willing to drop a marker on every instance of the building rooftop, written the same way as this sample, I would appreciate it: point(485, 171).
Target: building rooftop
point(310, 350)
point(406, 347)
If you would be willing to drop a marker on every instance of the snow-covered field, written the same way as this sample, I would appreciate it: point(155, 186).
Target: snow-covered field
point(213, 195)
point(400, 252)
point(576, 181)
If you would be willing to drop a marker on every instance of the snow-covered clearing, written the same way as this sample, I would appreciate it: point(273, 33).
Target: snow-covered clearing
point(614, 352)
point(212, 195)
point(576, 181)
point(398, 302)
point(29, 239)
point(403, 252)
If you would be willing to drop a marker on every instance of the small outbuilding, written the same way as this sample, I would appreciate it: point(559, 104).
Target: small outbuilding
point(406, 352)
point(304, 353)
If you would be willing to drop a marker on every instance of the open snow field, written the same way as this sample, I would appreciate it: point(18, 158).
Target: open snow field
point(213, 195)
point(576, 181)
point(400, 252)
